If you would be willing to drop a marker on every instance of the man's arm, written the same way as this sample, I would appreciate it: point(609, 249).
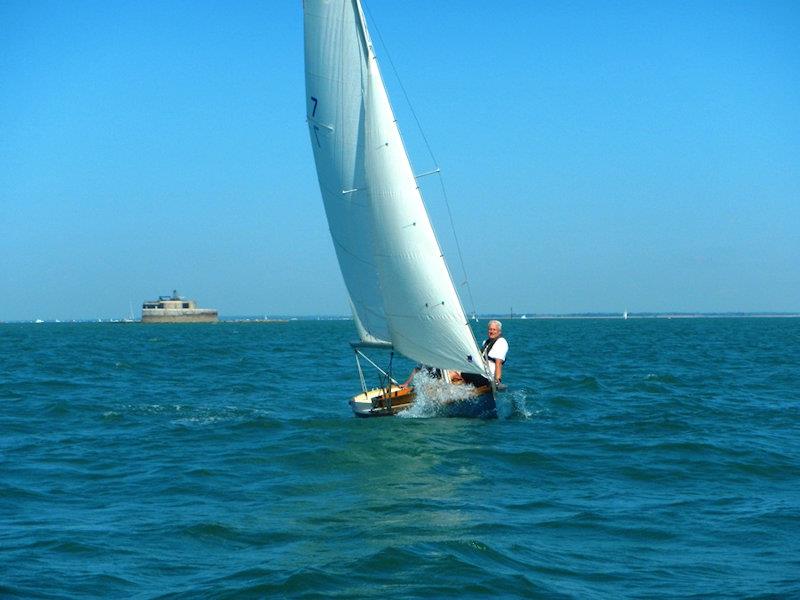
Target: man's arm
point(498, 369)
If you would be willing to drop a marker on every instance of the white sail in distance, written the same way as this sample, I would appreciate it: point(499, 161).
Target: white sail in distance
point(392, 264)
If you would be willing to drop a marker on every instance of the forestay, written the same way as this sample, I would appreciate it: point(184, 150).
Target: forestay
point(399, 285)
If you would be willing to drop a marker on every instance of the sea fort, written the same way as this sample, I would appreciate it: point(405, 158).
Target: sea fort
point(174, 309)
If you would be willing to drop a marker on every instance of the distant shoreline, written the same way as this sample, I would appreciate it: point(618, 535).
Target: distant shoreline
point(650, 316)
point(481, 317)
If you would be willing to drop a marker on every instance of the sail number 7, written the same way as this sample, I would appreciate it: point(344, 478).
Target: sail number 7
point(313, 114)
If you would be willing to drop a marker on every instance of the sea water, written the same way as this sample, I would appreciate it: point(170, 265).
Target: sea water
point(639, 458)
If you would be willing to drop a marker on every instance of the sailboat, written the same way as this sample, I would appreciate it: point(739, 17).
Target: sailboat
point(401, 293)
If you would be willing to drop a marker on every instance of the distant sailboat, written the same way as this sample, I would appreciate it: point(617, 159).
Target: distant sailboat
point(625, 314)
point(401, 294)
point(130, 317)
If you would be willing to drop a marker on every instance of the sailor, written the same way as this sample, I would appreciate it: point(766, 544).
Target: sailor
point(494, 350)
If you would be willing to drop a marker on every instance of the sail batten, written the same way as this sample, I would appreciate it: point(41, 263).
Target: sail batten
point(400, 288)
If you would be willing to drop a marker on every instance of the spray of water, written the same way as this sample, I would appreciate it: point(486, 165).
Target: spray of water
point(511, 405)
point(432, 395)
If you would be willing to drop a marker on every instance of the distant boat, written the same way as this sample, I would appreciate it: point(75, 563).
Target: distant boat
point(38, 321)
point(401, 294)
point(625, 314)
point(130, 317)
point(174, 309)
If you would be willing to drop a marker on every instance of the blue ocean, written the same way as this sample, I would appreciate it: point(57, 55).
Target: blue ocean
point(639, 458)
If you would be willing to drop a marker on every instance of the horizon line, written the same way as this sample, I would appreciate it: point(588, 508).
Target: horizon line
point(480, 316)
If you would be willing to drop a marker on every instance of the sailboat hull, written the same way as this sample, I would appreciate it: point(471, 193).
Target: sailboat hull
point(378, 403)
point(479, 404)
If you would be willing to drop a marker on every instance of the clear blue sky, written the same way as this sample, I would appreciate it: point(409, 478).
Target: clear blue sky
point(597, 155)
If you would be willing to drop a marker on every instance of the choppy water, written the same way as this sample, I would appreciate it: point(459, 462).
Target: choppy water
point(632, 459)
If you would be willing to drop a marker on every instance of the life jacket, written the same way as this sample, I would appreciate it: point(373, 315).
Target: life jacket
point(487, 347)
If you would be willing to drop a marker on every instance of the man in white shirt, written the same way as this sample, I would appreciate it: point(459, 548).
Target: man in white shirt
point(495, 348)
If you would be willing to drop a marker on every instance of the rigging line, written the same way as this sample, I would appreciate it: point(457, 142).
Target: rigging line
point(349, 252)
point(458, 245)
point(400, 82)
point(430, 151)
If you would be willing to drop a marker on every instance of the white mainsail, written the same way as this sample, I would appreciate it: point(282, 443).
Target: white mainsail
point(335, 65)
point(400, 289)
